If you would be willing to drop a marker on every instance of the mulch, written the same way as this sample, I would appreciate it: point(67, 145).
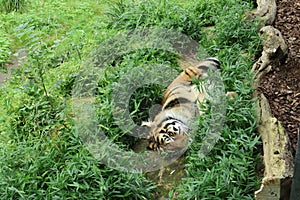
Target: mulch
point(282, 86)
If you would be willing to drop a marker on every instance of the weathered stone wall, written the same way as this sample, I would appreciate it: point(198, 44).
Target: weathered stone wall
point(277, 158)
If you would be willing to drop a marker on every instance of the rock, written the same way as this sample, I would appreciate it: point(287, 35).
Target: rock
point(274, 50)
point(266, 10)
point(278, 160)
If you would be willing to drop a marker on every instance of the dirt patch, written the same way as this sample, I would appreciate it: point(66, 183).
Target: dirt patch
point(282, 85)
point(16, 62)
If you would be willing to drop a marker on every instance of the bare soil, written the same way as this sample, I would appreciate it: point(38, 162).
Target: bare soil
point(15, 63)
point(282, 86)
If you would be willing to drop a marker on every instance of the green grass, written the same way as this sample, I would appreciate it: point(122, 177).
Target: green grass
point(13, 5)
point(5, 52)
point(42, 155)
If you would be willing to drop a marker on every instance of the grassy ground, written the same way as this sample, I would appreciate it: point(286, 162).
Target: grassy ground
point(42, 157)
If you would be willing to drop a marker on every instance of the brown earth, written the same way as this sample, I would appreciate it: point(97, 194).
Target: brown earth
point(282, 86)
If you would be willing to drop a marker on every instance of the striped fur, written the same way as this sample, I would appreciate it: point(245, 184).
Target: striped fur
point(179, 105)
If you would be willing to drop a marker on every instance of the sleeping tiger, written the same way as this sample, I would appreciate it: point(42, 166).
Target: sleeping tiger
point(170, 127)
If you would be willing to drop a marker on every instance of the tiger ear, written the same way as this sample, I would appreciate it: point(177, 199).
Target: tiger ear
point(148, 124)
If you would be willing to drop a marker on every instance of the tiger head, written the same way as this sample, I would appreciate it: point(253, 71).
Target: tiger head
point(163, 133)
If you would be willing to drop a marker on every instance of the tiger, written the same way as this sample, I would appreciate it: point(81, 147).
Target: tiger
point(179, 105)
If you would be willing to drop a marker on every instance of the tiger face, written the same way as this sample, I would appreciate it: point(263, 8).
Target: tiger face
point(175, 143)
point(165, 133)
point(156, 142)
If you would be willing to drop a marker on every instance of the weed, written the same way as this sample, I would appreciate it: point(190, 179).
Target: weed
point(5, 51)
point(14, 5)
point(163, 13)
point(42, 155)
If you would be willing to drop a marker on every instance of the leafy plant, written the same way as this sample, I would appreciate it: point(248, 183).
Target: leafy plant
point(14, 5)
point(163, 13)
point(53, 157)
point(42, 155)
point(5, 52)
